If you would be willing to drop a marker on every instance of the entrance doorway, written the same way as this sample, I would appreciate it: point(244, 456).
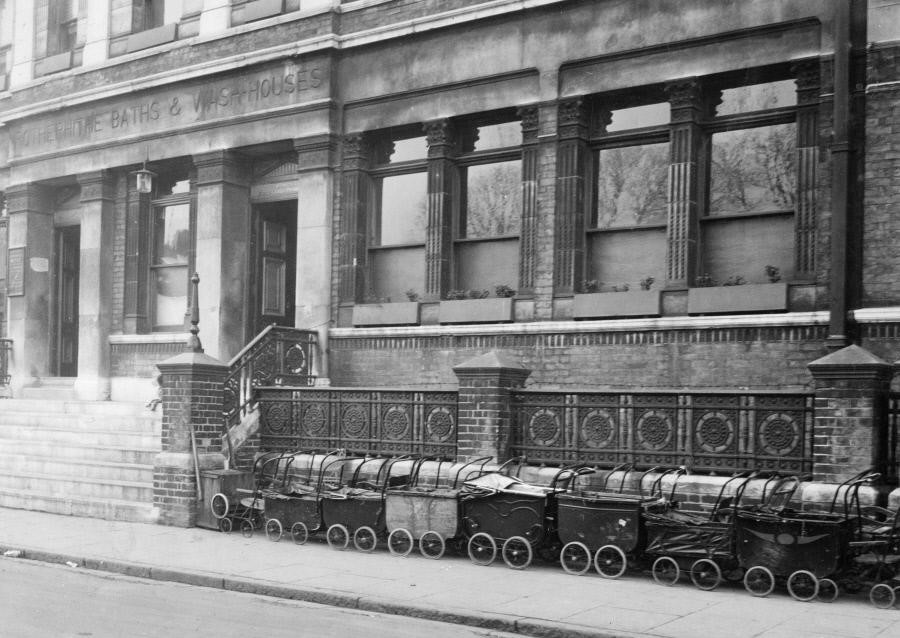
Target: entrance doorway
point(274, 265)
point(68, 255)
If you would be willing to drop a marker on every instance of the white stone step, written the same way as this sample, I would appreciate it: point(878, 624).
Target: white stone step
point(80, 422)
point(109, 509)
point(69, 486)
point(87, 452)
point(10, 435)
point(19, 464)
point(106, 408)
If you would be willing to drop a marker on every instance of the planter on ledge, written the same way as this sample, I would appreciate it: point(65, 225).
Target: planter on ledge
point(489, 310)
point(744, 298)
point(404, 313)
point(636, 303)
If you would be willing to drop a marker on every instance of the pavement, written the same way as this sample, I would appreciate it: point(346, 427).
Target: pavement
point(541, 600)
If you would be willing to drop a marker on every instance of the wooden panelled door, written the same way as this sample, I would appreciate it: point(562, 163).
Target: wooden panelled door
point(68, 257)
point(275, 264)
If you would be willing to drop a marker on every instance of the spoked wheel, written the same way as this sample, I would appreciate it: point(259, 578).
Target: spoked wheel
point(882, 596)
point(365, 539)
point(219, 505)
point(610, 561)
point(759, 581)
point(575, 558)
point(400, 542)
point(517, 552)
point(225, 525)
point(803, 585)
point(432, 545)
point(706, 574)
point(274, 530)
point(666, 571)
point(247, 528)
point(299, 533)
point(482, 549)
point(828, 590)
point(337, 536)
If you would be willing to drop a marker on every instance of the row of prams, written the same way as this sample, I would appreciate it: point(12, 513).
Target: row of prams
point(487, 513)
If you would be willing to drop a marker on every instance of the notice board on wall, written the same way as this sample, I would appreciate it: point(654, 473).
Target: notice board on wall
point(15, 276)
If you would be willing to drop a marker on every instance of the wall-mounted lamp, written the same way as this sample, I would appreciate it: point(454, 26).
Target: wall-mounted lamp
point(144, 179)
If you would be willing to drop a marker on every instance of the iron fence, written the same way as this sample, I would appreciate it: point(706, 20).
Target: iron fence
point(715, 432)
point(893, 453)
point(359, 420)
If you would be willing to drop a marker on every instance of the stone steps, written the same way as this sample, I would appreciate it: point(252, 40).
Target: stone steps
point(79, 458)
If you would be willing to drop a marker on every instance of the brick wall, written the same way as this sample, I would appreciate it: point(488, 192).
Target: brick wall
point(140, 359)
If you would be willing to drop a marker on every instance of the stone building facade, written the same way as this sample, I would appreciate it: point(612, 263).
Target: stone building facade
point(695, 195)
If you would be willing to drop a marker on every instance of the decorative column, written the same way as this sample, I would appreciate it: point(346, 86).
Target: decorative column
point(442, 177)
point(485, 411)
point(571, 187)
point(315, 184)
point(685, 167)
point(22, 71)
point(223, 205)
point(192, 397)
point(28, 282)
point(137, 260)
point(528, 247)
point(95, 284)
point(808, 85)
point(351, 239)
point(96, 41)
point(215, 16)
point(851, 422)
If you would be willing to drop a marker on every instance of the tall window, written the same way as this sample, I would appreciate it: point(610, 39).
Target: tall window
point(170, 256)
point(752, 196)
point(490, 212)
point(6, 31)
point(62, 26)
point(398, 225)
point(149, 14)
point(627, 240)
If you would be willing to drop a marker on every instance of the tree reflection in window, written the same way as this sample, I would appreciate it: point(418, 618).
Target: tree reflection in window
point(632, 185)
point(493, 199)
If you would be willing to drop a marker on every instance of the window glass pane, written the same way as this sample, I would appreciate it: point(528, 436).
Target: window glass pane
point(632, 185)
point(498, 136)
point(411, 149)
point(172, 235)
point(758, 97)
point(753, 170)
point(404, 204)
point(494, 197)
point(639, 116)
point(170, 302)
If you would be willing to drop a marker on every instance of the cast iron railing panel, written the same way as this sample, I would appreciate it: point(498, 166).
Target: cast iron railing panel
point(5, 350)
point(359, 420)
point(893, 446)
point(718, 432)
point(278, 356)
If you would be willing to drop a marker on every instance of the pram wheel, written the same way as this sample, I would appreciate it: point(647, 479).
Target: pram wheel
point(482, 549)
point(665, 571)
point(219, 506)
point(575, 558)
point(803, 585)
point(828, 590)
point(337, 536)
point(610, 561)
point(225, 525)
point(705, 574)
point(274, 530)
point(516, 552)
point(432, 545)
point(400, 542)
point(759, 581)
point(882, 596)
point(247, 528)
point(364, 539)
point(299, 533)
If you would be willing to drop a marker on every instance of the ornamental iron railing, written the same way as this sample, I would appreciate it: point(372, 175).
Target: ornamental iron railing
point(370, 421)
point(278, 356)
point(893, 446)
point(5, 350)
point(714, 432)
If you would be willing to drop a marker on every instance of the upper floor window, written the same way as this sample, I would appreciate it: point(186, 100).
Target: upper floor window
point(62, 25)
point(149, 14)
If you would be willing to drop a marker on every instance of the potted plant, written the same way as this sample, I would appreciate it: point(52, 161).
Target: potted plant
point(477, 306)
point(388, 313)
point(736, 295)
point(616, 301)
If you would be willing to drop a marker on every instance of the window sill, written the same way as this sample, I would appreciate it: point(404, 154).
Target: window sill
point(151, 38)
point(53, 64)
point(738, 299)
point(632, 303)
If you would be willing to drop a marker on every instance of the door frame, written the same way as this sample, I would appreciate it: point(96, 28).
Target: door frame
point(62, 235)
point(287, 210)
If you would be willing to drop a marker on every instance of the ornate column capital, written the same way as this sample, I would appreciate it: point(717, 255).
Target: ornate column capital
point(572, 119)
point(807, 75)
point(354, 152)
point(441, 137)
point(530, 120)
point(689, 101)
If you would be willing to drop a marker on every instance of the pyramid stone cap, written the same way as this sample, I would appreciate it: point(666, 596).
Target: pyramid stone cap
point(197, 361)
point(491, 362)
point(850, 362)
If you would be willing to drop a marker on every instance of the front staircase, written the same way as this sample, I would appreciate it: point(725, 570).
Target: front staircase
point(81, 458)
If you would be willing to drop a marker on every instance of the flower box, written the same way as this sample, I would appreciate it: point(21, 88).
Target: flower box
point(744, 298)
point(488, 310)
point(404, 313)
point(637, 303)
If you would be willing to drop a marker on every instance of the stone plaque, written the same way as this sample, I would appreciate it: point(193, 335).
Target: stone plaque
point(15, 283)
